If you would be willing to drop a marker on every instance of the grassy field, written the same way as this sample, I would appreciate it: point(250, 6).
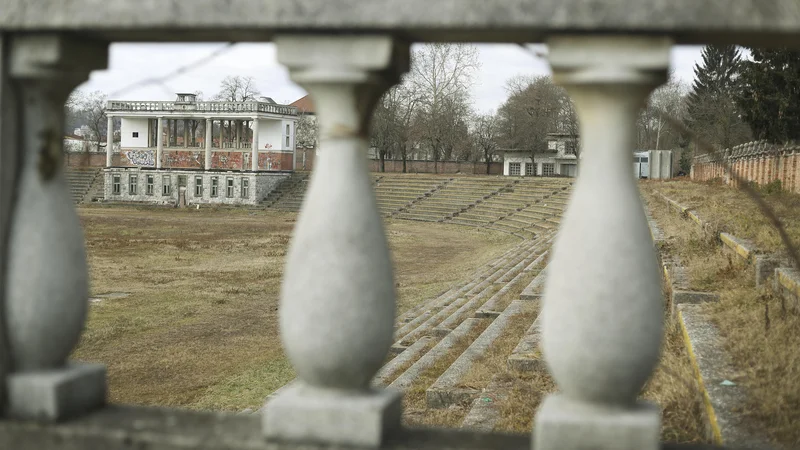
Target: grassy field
point(762, 337)
point(199, 328)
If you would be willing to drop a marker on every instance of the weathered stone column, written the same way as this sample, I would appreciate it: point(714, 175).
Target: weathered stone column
point(46, 283)
point(209, 142)
point(237, 126)
point(109, 140)
point(254, 156)
point(160, 142)
point(601, 336)
point(338, 296)
point(185, 133)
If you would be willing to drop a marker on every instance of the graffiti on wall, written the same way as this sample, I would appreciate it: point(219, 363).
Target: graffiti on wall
point(183, 159)
point(141, 157)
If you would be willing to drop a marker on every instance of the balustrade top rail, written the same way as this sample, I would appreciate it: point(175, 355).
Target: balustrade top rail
point(250, 106)
point(749, 150)
point(756, 22)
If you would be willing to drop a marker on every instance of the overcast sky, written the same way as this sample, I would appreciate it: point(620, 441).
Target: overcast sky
point(131, 63)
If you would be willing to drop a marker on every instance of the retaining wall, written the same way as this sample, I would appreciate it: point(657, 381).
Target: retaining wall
point(758, 162)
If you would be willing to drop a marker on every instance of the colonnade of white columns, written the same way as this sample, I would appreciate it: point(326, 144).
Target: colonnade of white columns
point(235, 127)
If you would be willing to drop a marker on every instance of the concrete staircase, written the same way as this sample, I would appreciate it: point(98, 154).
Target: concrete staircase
point(85, 184)
point(288, 196)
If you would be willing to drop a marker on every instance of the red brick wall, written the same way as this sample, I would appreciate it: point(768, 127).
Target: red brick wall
point(762, 170)
point(396, 166)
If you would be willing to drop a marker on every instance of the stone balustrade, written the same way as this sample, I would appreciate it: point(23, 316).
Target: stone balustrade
point(200, 107)
point(600, 336)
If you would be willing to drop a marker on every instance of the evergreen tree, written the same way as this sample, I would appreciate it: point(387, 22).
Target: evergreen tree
point(770, 94)
point(711, 107)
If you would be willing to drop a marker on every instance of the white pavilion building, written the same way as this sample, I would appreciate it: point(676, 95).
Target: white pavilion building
point(190, 151)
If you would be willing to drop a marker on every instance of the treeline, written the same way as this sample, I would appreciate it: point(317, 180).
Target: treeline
point(430, 114)
point(733, 99)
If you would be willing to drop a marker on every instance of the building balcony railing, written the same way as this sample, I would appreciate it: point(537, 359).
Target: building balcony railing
point(200, 107)
point(600, 336)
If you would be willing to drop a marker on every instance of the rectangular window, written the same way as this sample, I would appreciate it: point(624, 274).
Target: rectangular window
point(229, 187)
point(514, 169)
point(530, 169)
point(548, 169)
point(214, 186)
point(645, 159)
point(287, 129)
point(150, 184)
point(135, 134)
point(287, 141)
point(133, 184)
point(166, 185)
point(116, 188)
point(245, 187)
point(198, 186)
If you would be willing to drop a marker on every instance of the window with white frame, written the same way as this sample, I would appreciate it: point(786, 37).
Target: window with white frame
point(287, 142)
point(116, 185)
point(133, 184)
point(166, 185)
point(214, 186)
point(198, 186)
point(548, 169)
point(151, 180)
point(245, 187)
point(229, 187)
point(514, 168)
point(530, 169)
point(135, 134)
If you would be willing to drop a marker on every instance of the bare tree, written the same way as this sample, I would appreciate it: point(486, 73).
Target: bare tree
point(91, 108)
point(485, 135)
point(653, 131)
point(237, 89)
point(306, 130)
point(441, 75)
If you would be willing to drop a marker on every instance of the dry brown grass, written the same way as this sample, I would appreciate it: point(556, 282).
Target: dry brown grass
point(493, 362)
point(674, 388)
point(199, 329)
point(732, 211)
point(762, 339)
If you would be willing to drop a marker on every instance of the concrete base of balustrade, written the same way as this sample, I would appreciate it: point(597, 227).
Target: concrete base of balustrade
point(563, 424)
point(55, 395)
point(307, 414)
point(130, 427)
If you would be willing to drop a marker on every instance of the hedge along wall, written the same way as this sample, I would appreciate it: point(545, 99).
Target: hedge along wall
point(759, 162)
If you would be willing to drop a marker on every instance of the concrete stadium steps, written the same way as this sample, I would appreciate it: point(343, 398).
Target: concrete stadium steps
point(85, 184)
point(395, 194)
point(454, 326)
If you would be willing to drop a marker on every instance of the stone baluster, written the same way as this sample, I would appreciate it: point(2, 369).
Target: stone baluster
point(338, 298)
point(601, 336)
point(46, 290)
